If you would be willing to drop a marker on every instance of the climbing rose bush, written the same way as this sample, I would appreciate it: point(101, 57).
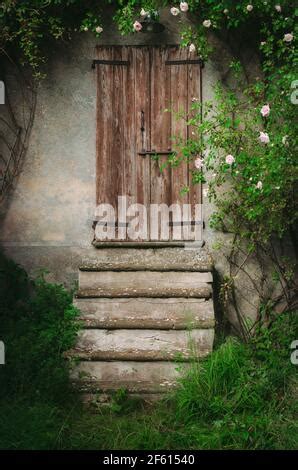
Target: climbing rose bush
point(248, 143)
point(248, 174)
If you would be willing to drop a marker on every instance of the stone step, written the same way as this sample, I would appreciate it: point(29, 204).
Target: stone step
point(142, 345)
point(162, 259)
point(144, 284)
point(135, 377)
point(146, 313)
point(94, 401)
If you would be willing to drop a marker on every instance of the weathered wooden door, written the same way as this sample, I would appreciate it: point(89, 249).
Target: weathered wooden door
point(135, 87)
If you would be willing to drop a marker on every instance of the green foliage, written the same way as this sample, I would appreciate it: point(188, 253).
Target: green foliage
point(37, 324)
point(242, 396)
point(254, 195)
point(238, 378)
point(28, 27)
point(237, 398)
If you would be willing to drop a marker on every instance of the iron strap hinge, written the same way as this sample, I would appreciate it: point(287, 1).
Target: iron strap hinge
point(109, 62)
point(185, 62)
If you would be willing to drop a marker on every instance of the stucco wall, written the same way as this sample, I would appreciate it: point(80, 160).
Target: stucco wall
point(47, 220)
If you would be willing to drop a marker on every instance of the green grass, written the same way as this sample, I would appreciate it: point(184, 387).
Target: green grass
point(240, 397)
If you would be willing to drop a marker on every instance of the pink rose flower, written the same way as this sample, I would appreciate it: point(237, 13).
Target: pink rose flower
point(230, 159)
point(174, 11)
point(137, 26)
point(288, 37)
point(183, 6)
point(199, 163)
point(264, 138)
point(265, 111)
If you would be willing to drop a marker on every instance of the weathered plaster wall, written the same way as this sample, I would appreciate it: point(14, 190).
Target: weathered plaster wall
point(47, 220)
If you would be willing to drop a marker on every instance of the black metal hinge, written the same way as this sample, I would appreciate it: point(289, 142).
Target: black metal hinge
point(109, 62)
point(185, 62)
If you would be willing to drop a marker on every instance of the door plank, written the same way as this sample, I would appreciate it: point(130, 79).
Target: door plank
point(160, 131)
point(179, 99)
point(142, 103)
point(104, 189)
point(129, 148)
point(117, 130)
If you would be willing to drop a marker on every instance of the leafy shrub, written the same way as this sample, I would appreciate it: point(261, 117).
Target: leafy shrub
point(37, 324)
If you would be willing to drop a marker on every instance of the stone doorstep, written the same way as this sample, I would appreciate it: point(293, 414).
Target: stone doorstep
point(144, 284)
point(142, 311)
point(146, 313)
point(95, 401)
point(135, 377)
point(142, 345)
point(150, 259)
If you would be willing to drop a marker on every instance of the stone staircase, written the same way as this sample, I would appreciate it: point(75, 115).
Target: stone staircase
point(142, 309)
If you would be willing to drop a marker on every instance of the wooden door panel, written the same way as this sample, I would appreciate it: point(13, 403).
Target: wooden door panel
point(142, 105)
point(146, 87)
point(160, 125)
point(179, 98)
point(160, 91)
point(104, 171)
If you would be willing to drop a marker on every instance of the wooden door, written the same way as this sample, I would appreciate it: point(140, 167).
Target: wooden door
point(135, 85)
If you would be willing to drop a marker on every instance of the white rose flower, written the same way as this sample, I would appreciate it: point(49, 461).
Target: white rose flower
point(175, 11)
point(207, 23)
point(205, 192)
point(184, 6)
point(192, 48)
point(98, 29)
point(288, 37)
point(249, 7)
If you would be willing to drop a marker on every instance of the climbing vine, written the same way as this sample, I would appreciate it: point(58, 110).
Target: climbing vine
point(245, 141)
